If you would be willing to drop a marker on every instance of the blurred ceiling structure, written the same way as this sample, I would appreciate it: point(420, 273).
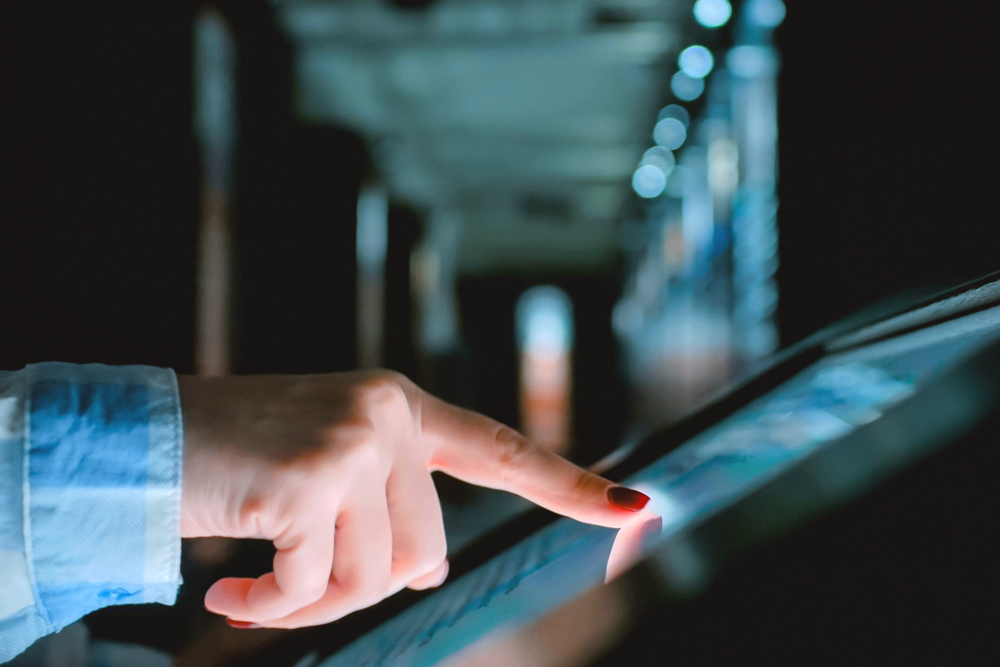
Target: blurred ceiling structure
point(522, 119)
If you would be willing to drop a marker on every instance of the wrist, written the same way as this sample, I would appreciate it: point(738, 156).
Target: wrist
point(190, 389)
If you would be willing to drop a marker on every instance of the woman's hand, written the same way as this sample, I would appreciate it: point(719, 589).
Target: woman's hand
point(335, 470)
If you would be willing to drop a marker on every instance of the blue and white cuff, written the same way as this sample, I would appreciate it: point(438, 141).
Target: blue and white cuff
point(90, 492)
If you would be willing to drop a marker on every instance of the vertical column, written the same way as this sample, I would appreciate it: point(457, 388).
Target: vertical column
point(215, 124)
point(753, 68)
point(372, 243)
point(544, 320)
point(434, 274)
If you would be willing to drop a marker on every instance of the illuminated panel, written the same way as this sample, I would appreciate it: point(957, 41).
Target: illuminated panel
point(743, 452)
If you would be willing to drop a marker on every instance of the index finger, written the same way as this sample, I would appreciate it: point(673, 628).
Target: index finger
point(478, 450)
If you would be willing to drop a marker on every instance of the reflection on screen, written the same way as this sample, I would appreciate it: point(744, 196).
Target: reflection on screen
point(823, 403)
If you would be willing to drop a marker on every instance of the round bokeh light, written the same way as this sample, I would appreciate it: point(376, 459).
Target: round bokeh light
point(766, 13)
point(675, 111)
point(696, 61)
point(669, 133)
point(659, 156)
point(712, 13)
point(686, 87)
point(648, 181)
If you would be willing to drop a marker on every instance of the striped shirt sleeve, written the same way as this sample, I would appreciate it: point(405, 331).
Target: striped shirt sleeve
point(90, 491)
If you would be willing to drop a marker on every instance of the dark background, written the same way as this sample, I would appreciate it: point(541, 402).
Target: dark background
point(100, 202)
point(886, 163)
point(887, 140)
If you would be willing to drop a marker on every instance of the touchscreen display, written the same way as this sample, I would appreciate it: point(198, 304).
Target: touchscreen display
point(823, 403)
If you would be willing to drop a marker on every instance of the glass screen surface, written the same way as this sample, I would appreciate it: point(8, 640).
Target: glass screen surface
point(727, 461)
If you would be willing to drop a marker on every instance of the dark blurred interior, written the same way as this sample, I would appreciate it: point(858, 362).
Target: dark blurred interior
point(126, 172)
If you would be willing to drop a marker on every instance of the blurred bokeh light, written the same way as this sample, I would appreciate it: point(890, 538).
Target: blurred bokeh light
point(544, 322)
point(766, 13)
point(712, 13)
point(696, 61)
point(670, 133)
point(686, 87)
point(659, 157)
point(649, 181)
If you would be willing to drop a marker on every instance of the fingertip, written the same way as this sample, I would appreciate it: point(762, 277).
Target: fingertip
point(227, 596)
point(652, 527)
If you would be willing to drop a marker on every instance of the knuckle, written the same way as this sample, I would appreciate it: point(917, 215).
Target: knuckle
point(255, 513)
point(512, 449)
point(377, 387)
point(381, 391)
point(585, 485)
point(395, 377)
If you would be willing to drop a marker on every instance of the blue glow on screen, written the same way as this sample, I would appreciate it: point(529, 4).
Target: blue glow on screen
point(823, 403)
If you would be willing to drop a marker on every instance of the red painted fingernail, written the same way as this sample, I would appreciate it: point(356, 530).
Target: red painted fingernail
point(627, 499)
point(243, 625)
